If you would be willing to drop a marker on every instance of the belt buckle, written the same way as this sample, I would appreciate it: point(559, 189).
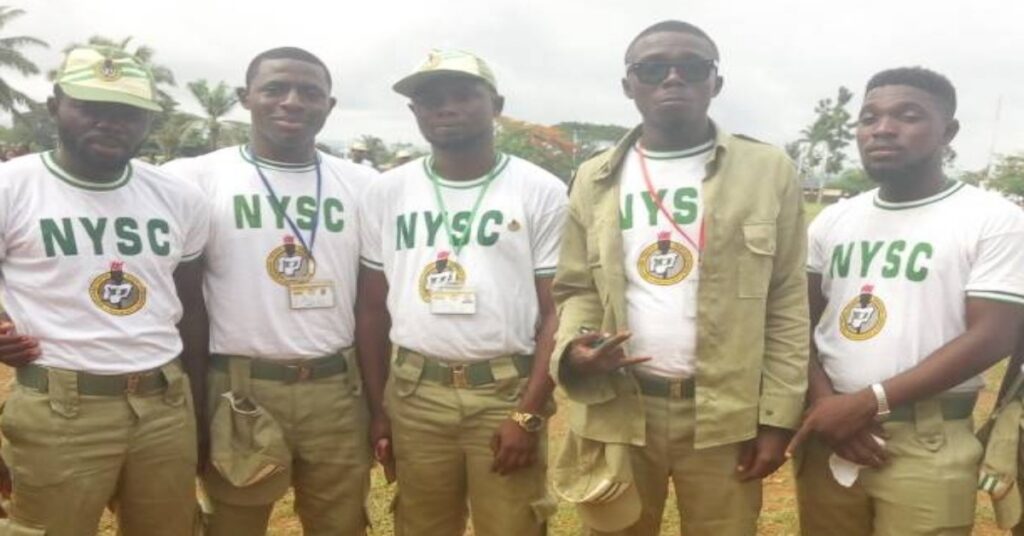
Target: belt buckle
point(459, 379)
point(302, 372)
point(675, 388)
point(131, 383)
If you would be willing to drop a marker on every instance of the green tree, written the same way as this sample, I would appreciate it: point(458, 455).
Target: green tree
point(11, 57)
point(178, 131)
point(216, 102)
point(548, 147)
point(162, 75)
point(1007, 176)
point(852, 181)
point(821, 146)
point(589, 138)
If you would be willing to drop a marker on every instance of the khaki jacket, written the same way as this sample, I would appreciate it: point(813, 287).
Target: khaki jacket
point(752, 333)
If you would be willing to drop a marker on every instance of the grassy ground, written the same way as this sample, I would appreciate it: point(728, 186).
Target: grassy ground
point(778, 517)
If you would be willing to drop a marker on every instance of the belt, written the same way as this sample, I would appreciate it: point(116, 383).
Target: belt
point(287, 371)
point(135, 383)
point(953, 408)
point(666, 387)
point(463, 375)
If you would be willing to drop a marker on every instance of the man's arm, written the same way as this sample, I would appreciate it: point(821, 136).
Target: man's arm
point(786, 337)
point(818, 383)
point(514, 447)
point(784, 367)
point(373, 325)
point(194, 328)
point(992, 328)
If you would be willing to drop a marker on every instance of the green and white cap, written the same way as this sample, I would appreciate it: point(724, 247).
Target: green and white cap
point(104, 74)
point(441, 63)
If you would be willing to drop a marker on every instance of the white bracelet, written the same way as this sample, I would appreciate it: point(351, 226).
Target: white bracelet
point(883, 401)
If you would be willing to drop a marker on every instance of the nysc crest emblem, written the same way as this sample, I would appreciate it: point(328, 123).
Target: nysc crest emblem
point(665, 262)
point(117, 292)
point(864, 316)
point(290, 263)
point(108, 71)
point(441, 273)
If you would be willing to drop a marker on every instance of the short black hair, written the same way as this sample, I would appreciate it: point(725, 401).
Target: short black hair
point(284, 53)
point(676, 26)
point(926, 80)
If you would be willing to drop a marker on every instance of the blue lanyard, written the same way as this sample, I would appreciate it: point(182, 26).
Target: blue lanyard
point(287, 218)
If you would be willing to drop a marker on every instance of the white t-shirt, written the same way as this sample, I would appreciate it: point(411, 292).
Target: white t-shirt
point(896, 276)
point(662, 272)
point(88, 268)
point(514, 238)
point(254, 256)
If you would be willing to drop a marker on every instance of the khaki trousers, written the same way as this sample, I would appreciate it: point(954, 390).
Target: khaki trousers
point(442, 437)
point(72, 455)
point(326, 429)
point(929, 486)
point(711, 500)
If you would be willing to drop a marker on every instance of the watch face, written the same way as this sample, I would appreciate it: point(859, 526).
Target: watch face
point(533, 423)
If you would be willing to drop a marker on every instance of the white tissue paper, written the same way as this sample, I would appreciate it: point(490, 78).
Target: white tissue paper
point(846, 472)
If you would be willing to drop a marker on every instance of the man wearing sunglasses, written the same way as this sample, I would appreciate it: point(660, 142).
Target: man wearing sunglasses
point(683, 336)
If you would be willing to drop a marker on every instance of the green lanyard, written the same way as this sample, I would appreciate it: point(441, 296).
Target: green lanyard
point(452, 240)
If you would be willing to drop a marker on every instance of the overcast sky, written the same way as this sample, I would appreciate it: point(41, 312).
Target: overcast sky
point(561, 60)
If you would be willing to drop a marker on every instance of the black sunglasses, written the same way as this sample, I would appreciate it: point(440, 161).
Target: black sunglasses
point(655, 72)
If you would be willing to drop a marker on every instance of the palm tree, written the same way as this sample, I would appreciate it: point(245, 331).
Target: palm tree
point(216, 102)
point(162, 75)
point(174, 134)
point(11, 57)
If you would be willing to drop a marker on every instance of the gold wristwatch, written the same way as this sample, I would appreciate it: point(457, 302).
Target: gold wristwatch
point(530, 422)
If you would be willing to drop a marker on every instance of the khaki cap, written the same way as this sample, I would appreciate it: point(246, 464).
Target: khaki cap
point(105, 74)
point(441, 63)
point(598, 478)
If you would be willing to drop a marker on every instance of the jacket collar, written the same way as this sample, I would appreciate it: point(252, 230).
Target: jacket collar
point(611, 161)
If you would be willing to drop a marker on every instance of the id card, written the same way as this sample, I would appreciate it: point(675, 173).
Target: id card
point(453, 300)
point(311, 295)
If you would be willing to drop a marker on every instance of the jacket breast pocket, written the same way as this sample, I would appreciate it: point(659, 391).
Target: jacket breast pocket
point(756, 260)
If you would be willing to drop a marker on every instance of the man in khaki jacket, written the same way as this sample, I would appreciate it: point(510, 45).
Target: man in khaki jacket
point(712, 378)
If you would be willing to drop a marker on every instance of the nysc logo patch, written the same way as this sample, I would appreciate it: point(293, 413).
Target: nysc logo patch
point(864, 316)
point(441, 273)
point(117, 292)
point(290, 263)
point(665, 262)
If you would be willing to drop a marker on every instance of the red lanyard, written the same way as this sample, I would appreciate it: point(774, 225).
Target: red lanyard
point(699, 244)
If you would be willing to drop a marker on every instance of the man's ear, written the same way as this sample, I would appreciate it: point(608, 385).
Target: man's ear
point(952, 128)
point(499, 105)
point(627, 88)
point(243, 96)
point(719, 83)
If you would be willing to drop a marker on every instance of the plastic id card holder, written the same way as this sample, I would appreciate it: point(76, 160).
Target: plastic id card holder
point(453, 300)
point(311, 295)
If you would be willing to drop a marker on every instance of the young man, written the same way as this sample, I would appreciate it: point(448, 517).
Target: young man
point(915, 289)
point(459, 249)
point(91, 241)
point(687, 242)
point(279, 277)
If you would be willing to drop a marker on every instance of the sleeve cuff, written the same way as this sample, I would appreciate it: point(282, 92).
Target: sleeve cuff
point(997, 295)
point(373, 265)
point(781, 411)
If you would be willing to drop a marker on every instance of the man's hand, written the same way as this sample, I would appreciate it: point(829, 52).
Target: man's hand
point(596, 353)
point(16, 350)
point(861, 448)
point(514, 448)
point(380, 438)
point(763, 455)
point(835, 419)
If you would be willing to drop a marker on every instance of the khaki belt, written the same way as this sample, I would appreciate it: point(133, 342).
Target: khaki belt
point(666, 387)
point(463, 375)
point(953, 408)
point(136, 383)
point(287, 371)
